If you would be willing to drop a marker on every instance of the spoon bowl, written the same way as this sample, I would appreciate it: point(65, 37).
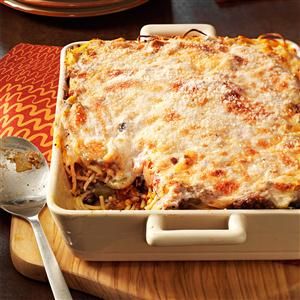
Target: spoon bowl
point(22, 193)
point(24, 174)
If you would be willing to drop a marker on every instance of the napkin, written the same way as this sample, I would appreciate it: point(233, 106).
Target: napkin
point(28, 86)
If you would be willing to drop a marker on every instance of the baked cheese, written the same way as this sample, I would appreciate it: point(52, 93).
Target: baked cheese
point(207, 122)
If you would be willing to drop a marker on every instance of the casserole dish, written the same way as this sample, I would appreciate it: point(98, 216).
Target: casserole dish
point(168, 235)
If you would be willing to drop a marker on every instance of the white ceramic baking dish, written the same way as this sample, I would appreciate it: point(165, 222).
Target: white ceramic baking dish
point(168, 235)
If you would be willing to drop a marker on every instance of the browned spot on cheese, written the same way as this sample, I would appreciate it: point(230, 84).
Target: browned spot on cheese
point(223, 48)
point(238, 61)
point(275, 140)
point(80, 115)
point(250, 151)
point(120, 86)
point(208, 48)
point(263, 130)
point(184, 131)
point(151, 145)
point(140, 46)
point(279, 86)
point(91, 52)
point(243, 161)
point(115, 72)
point(82, 75)
point(171, 116)
point(283, 186)
point(293, 143)
point(176, 85)
point(236, 103)
point(157, 44)
point(203, 176)
point(286, 159)
point(227, 187)
point(201, 102)
point(283, 59)
point(274, 78)
point(283, 85)
point(263, 143)
point(197, 101)
point(195, 127)
point(218, 173)
point(201, 156)
point(294, 108)
point(190, 157)
point(290, 144)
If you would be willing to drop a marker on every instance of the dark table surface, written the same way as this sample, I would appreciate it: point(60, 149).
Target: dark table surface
point(247, 17)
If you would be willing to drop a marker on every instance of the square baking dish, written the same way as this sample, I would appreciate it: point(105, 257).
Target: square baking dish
point(169, 234)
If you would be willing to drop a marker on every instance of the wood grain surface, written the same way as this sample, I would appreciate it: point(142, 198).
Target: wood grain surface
point(155, 280)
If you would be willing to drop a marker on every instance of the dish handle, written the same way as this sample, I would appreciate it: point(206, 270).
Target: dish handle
point(156, 235)
point(175, 29)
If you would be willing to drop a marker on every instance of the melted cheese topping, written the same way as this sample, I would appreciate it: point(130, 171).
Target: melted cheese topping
point(212, 120)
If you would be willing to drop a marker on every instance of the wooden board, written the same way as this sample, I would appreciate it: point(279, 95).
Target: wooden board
point(155, 280)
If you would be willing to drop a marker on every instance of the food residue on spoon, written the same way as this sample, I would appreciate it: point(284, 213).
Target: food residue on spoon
point(25, 160)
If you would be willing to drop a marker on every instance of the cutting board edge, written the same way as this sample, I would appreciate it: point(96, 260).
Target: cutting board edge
point(37, 272)
point(22, 265)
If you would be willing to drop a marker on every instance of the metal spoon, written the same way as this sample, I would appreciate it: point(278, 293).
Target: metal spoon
point(23, 183)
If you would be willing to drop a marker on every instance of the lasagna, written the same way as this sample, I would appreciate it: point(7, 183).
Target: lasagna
point(179, 123)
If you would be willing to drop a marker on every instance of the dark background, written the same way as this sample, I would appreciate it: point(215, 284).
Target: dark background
point(245, 17)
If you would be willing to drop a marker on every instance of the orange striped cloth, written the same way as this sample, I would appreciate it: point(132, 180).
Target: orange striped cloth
point(28, 86)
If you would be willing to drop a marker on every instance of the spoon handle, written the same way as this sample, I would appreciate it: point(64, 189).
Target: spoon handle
point(57, 282)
